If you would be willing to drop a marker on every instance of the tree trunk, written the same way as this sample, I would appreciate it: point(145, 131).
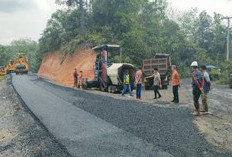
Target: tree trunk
point(81, 5)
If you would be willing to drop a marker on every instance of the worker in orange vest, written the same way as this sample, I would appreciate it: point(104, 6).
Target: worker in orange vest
point(175, 84)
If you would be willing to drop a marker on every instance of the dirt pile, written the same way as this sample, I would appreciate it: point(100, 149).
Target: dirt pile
point(60, 69)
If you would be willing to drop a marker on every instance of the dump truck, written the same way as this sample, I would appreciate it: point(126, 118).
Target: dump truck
point(10, 67)
point(21, 64)
point(163, 63)
point(108, 74)
point(214, 72)
point(2, 71)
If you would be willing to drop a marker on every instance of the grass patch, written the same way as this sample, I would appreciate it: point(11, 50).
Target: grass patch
point(2, 78)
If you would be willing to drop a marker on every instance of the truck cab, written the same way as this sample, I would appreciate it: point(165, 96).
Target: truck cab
point(163, 63)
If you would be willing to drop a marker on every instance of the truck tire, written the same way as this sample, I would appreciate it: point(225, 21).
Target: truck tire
point(102, 88)
point(84, 85)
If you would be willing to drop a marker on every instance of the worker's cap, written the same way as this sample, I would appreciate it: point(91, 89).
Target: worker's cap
point(194, 64)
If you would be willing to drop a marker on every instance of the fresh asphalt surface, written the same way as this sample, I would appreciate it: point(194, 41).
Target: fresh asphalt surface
point(91, 125)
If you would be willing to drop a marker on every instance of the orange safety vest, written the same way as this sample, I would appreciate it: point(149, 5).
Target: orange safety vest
point(175, 78)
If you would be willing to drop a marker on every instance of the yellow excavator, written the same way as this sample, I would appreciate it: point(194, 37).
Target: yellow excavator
point(21, 64)
point(2, 71)
point(10, 67)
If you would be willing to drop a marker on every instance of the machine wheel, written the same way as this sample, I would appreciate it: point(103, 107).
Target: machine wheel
point(102, 88)
point(110, 89)
point(84, 85)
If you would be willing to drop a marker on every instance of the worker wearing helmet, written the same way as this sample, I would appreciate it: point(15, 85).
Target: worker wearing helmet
point(197, 85)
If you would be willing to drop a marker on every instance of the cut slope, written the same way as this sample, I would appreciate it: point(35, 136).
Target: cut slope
point(60, 69)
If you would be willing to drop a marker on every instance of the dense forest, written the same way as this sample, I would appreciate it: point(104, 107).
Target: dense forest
point(142, 27)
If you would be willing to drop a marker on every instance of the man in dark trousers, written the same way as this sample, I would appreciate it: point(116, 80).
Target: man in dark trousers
point(157, 83)
point(175, 84)
point(197, 84)
point(75, 78)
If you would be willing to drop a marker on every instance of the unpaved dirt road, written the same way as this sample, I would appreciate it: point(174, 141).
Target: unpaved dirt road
point(217, 127)
point(95, 125)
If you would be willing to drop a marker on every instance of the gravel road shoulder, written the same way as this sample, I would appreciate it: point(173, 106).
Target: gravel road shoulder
point(20, 134)
point(215, 128)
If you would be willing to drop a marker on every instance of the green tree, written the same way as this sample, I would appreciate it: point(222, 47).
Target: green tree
point(25, 46)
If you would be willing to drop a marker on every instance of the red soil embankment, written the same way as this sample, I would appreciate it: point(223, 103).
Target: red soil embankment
point(62, 72)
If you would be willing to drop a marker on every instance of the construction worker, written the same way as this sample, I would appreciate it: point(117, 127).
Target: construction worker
point(138, 81)
point(126, 83)
point(197, 85)
point(206, 89)
point(157, 83)
point(75, 78)
point(80, 80)
point(175, 84)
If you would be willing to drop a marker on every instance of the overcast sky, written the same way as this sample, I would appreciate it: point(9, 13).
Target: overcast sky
point(28, 18)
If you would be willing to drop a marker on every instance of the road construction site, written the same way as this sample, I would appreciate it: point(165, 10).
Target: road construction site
point(93, 123)
point(95, 120)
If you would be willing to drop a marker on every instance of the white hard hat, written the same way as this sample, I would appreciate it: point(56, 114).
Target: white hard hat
point(194, 64)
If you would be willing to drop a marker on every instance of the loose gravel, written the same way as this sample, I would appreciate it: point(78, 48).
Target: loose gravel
point(171, 129)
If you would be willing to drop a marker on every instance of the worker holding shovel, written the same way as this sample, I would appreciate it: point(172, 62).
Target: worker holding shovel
point(197, 85)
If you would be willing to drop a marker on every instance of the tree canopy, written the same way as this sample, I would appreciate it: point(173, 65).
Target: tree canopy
point(142, 27)
point(26, 46)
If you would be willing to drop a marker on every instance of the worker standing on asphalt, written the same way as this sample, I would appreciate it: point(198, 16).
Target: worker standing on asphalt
point(175, 84)
point(157, 83)
point(138, 80)
point(126, 83)
point(197, 85)
point(206, 89)
point(75, 78)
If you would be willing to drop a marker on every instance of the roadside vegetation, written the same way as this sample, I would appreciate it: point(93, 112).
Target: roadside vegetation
point(2, 78)
point(226, 68)
point(142, 27)
point(26, 46)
